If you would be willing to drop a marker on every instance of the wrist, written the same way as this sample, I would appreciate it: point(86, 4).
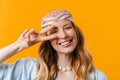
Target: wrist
point(18, 46)
point(21, 45)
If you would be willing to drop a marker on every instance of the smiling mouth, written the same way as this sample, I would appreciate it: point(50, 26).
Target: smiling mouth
point(66, 43)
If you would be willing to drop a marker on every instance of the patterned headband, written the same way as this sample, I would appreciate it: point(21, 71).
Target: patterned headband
point(54, 16)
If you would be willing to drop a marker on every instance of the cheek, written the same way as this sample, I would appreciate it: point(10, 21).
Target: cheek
point(71, 33)
point(53, 42)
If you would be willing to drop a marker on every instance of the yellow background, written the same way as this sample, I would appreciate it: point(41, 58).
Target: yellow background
point(98, 19)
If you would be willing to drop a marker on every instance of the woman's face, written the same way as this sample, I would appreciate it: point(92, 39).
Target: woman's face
point(66, 40)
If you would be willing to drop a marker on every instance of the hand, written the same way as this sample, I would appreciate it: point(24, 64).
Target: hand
point(30, 37)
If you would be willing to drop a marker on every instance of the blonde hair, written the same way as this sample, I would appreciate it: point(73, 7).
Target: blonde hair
point(82, 61)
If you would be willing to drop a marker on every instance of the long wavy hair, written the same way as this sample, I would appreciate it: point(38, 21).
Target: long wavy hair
point(82, 62)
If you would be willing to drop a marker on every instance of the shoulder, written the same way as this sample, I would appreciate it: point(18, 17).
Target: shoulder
point(27, 60)
point(98, 75)
point(20, 62)
point(22, 69)
point(26, 63)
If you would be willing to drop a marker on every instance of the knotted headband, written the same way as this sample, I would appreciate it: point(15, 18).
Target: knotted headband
point(55, 16)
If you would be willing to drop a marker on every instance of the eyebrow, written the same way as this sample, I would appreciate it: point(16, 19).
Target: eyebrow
point(54, 28)
point(65, 24)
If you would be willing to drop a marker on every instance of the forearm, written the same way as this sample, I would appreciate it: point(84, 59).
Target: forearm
point(26, 39)
point(9, 51)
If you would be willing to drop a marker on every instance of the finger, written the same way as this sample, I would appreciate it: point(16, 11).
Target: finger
point(26, 42)
point(44, 30)
point(25, 31)
point(47, 38)
point(33, 37)
point(29, 32)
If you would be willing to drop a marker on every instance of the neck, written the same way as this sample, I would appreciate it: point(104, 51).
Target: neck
point(64, 60)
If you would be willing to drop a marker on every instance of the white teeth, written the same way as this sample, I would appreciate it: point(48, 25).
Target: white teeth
point(64, 43)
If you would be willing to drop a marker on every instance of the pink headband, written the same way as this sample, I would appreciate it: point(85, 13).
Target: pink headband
point(54, 16)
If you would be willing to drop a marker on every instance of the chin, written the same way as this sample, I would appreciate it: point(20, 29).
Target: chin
point(65, 51)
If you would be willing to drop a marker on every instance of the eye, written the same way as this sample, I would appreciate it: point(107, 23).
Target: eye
point(53, 32)
point(68, 27)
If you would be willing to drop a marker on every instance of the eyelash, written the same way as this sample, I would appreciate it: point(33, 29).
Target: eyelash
point(69, 27)
point(53, 32)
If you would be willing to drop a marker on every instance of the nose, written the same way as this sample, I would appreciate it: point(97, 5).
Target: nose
point(62, 34)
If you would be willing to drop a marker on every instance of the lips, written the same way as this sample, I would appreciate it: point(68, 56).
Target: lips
point(65, 43)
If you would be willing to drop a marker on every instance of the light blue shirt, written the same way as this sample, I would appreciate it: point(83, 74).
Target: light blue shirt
point(26, 69)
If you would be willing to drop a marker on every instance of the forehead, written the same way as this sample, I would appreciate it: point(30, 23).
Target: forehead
point(61, 23)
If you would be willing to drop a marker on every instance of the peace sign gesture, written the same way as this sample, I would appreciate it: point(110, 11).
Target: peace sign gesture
point(30, 37)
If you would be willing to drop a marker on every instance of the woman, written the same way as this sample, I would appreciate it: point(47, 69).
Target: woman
point(62, 55)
